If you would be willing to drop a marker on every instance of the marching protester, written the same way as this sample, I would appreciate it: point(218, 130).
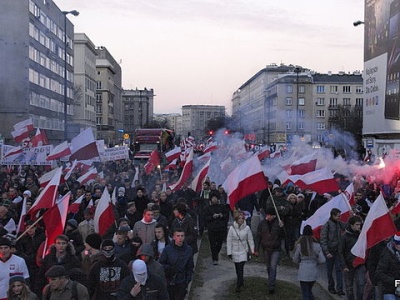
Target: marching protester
point(19, 290)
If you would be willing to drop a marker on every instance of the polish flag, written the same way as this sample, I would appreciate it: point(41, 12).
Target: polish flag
point(245, 179)
point(54, 220)
point(104, 214)
point(205, 157)
point(172, 165)
point(59, 151)
point(275, 154)
point(46, 177)
point(186, 172)
point(320, 181)
point(322, 214)
point(28, 124)
point(227, 165)
point(211, 147)
point(11, 154)
point(173, 154)
point(264, 153)
point(89, 175)
point(83, 146)
point(40, 139)
point(304, 165)
point(378, 226)
point(197, 182)
point(152, 163)
point(70, 170)
point(84, 165)
point(74, 207)
point(21, 223)
point(20, 134)
point(47, 197)
point(350, 194)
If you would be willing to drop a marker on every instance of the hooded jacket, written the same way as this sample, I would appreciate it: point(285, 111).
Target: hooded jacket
point(145, 230)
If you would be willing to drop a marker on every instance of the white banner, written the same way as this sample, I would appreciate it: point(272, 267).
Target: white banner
point(28, 156)
point(115, 153)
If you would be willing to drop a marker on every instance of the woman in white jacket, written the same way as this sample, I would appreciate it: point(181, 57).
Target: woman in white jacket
point(239, 243)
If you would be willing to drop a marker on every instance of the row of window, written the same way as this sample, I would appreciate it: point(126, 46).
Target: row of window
point(42, 101)
point(321, 101)
point(48, 123)
point(48, 83)
point(333, 89)
point(318, 126)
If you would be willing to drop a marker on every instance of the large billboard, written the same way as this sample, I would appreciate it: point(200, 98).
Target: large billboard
point(381, 67)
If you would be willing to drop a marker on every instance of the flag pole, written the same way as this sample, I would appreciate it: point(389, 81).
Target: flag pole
point(30, 226)
point(273, 202)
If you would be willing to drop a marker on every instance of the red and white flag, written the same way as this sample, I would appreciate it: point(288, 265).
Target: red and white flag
point(264, 152)
point(46, 177)
point(59, 151)
point(197, 182)
point(322, 214)
point(211, 147)
point(20, 134)
point(320, 181)
point(21, 223)
point(152, 163)
point(173, 154)
point(40, 139)
point(378, 226)
point(89, 175)
point(186, 172)
point(46, 198)
point(54, 220)
point(275, 154)
point(104, 214)
point(245, 179)
point(83, 146)
point(304, 165)
point(349, 191)
point(28, 124)
point(14, 152)
point(205, 157)
point(70, 170)
point(172, 165)
point(74, 207)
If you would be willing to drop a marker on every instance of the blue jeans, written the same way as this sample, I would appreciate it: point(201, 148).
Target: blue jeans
point(334, 263)
point(356, 275)
point(272, 260)
point(390, 297)
point(306, 290)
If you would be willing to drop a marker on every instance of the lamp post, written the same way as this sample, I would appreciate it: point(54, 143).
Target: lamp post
point(297, 70)
point(65, 13)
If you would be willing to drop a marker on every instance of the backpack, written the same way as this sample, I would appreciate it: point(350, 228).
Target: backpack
point(47, 292)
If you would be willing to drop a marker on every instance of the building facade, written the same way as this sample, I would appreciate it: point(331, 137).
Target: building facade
point(32, 60)
point(195, 118)
point(85, 83)
point(109, 119)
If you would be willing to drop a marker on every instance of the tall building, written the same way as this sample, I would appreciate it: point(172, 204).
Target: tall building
point(85, 82)
point(138, 108)
point(195, 118)
point(32, 66)
point(108, 98)
point(279, 103)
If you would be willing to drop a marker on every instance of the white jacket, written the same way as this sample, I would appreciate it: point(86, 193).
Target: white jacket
point(239, 248)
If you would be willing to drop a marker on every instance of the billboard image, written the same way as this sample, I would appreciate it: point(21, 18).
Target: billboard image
point(381, 67)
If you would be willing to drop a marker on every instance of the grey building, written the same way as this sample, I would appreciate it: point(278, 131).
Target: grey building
point(32, 66)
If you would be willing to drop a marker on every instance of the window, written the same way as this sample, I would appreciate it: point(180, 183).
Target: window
point(289, 89)
point(359, 101)
point(320, 89)
point(98, 85)
point(99, 97)
point(302, 89)
point(289, 100)
point(288, 113)
point(320, 102)
point(333, 102)
point(288, 125)
point(320, 113)
point(333, 89)
point(346, 102)
point(302, 113)
point(346, 89)
point(302, 101)
point(359, 89)
point(321, 125)
point(301, 125)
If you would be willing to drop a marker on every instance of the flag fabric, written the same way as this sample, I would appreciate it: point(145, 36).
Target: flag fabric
point(54, 220)
point(264, 153)
point(152, 163)
point(59, 151)
point(104, 214)
point(83, 146)
point(304, 165)
point(350, 194)
point(20, 134)
point(39, 139)
point(205, 157)
point(172, 165)
point(74, 207)
point(46, 198)
point(322, 214)
point(197, 182)
point(89, 175)
point(11, 227)
point(28, 124)
point(320, 181)
point(15, 151)
point(245, 179)
point(46, 177)
point(135, 177)
point(70, 170)
point(378, 226)
point(227, 165)
point(173, 154)
point(186, 172)
point(211, 147)
point(21, 222)
point(275, 154)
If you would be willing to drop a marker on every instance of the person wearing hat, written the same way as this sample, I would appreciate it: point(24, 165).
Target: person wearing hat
point(19, 290)
point(10, 264)
point(61, 287)
point(308, 254)
point(73, 234)
point(278, 197)
point(270, 233)
point(142, 284)
point(92, 252)
point(146, 253)
point(388, 270)
point(106, 274)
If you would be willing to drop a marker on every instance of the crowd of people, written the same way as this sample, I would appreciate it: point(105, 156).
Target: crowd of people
point(148, 252)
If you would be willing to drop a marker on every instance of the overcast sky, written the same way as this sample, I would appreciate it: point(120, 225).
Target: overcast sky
point(201, 51)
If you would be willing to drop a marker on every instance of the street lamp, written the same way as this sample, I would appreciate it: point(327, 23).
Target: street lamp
point(65, 13)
